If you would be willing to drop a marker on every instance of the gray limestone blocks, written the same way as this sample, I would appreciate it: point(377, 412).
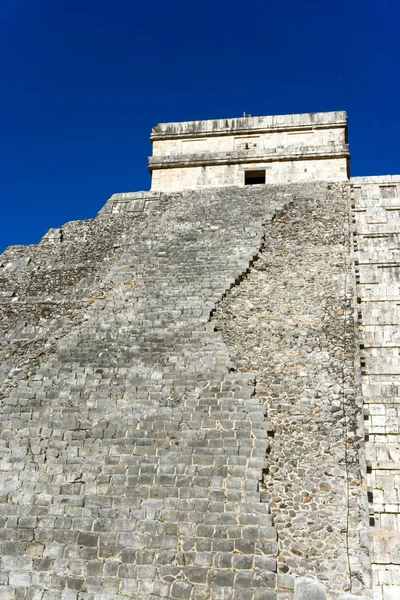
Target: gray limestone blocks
point(377, 228)
point(169, 444)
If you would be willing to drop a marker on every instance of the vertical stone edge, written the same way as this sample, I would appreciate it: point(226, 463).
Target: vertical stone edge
point(358, 534)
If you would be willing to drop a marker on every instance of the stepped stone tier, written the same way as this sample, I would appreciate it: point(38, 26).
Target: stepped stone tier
point(200, 386)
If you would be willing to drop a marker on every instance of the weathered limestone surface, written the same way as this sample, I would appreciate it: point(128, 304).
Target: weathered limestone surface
point(291, 321)
point(46, 288)
point(309, 589)
point(301, 168)
point(289, 148)
point(377, 205)
point(135, 449)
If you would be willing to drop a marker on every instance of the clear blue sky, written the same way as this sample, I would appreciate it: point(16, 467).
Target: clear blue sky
point(83, 82)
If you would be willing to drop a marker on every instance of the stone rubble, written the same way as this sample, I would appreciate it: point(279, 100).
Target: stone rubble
point(291, 322)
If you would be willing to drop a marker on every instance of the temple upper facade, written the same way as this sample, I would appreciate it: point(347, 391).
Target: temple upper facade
point(250, 151)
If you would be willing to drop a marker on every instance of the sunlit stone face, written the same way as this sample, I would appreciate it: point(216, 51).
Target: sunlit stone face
point(290, 148)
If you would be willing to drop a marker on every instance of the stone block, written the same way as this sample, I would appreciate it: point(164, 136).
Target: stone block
point(391, 592)
point(7, 593)
point(306, 588)
point(181, 590)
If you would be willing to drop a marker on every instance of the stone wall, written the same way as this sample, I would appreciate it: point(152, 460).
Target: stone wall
point(291, 148)
point(377, 229)
point(143, 451)
point(47, 287)
point(285, 171)
point(291, 322)
point(264, 140)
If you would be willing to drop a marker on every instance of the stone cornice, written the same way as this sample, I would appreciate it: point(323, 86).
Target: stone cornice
point(248, 156)
point(249, 125)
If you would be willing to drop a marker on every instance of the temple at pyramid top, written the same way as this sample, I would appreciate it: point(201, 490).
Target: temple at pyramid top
point(250, 151)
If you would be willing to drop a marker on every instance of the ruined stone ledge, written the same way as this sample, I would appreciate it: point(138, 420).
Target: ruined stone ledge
point(133, 202)
point(249, 124)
